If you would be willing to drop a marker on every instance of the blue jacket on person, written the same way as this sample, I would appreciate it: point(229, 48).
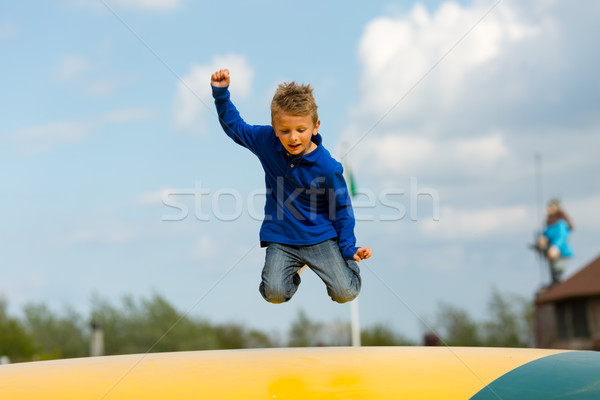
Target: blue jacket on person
point(558, 235)
point(307, 200)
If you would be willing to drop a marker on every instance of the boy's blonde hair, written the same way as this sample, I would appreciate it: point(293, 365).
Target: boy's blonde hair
point(294, 99)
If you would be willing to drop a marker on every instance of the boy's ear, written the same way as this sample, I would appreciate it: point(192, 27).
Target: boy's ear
point(317, 124)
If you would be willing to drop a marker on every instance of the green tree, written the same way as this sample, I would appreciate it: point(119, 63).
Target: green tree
point(304, 332)
point(150, 325)
point(382, 335)
point(509, 322)
point(14, 340)
point(456, 327)
point(63, 336)
point(154, 325)
point(234, 336)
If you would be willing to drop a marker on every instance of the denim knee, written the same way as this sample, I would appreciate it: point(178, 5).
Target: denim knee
point(277, 293)
point(273, 295)
point(343, 296)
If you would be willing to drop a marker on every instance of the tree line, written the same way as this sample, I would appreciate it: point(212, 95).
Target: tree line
point(154, 325)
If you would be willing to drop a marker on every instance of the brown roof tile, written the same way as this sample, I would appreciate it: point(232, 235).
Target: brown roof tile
point(584, 283)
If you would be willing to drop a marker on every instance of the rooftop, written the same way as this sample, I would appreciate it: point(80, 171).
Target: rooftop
point(585, 283)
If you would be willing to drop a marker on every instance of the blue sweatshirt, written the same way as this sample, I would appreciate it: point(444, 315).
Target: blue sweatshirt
point(307, 201)
point(558, 234)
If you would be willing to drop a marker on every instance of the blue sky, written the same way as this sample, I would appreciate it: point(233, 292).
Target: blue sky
point(440, 107)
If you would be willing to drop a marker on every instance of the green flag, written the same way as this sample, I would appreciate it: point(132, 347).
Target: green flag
point(349, 177)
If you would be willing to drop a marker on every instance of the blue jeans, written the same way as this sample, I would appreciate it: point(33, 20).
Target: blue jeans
point(280, 278)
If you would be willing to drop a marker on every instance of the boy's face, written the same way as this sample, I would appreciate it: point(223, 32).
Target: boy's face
point(295, 132)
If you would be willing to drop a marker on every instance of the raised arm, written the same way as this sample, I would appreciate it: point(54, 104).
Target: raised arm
point(220, 78)
point(250, 136)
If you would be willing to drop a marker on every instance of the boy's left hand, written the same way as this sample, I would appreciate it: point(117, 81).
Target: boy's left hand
point(362, 253)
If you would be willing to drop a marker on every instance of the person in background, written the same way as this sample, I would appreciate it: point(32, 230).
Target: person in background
point(553, 242)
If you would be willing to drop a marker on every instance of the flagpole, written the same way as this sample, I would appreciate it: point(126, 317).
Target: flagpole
point(354, 317)
point(355, 323)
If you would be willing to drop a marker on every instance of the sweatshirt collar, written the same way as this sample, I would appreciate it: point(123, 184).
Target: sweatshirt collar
point(310, 157)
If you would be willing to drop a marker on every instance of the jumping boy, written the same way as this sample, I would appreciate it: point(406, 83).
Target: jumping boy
point(308, 214)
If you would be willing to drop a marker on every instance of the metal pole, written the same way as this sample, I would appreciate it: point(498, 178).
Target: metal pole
point(539, 205)
point(539, 188)
point(354, 320)
point(96, 340)
point(355, 323)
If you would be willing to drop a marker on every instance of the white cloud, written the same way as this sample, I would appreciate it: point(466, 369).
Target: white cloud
point(460, 224)
point(410, 154)
point(481, 152)
point(45, 137)
point(395, 153)
point(154, 198)
point(39, 138)
point(521, 82)
point(101, 87)
point(434, 101)
point(77, 69)
point(107, 228)
point(71, 68)
point(397, 52)
point(193, 99)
